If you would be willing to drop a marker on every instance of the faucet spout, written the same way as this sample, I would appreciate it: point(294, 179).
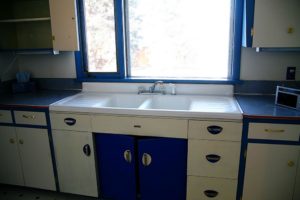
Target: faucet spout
point(152, 88)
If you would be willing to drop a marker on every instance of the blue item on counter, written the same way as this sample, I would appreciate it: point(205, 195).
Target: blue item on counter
point(23, 77)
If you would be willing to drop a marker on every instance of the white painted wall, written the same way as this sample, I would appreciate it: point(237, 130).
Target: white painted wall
point(49, 66)
point(268, 65)
point(254, 66)
point(8, 66)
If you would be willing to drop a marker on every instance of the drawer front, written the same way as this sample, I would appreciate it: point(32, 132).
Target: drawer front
point(213, 158)
point(289, 132)
point(202, 188)
point(210, 130)
point(75, 122)
point(5, 116)
point(30, 118)
point(140, 126)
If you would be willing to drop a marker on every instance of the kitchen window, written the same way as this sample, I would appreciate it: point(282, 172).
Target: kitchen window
point(183, 40)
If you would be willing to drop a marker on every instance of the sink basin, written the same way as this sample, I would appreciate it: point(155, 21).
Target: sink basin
point(122, 101)
point(167, 103)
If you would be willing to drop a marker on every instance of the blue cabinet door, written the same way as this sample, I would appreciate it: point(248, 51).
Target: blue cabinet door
point(162, 168)
point(116, 166)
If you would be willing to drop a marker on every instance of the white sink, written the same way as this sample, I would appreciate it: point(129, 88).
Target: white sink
point(200, 106)
point(167, 103)
point(122, 101)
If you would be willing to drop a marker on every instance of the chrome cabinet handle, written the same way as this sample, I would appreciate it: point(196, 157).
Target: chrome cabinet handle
point(127, 156)
point(12, 141)
point(211, 193)
point(146, 159)
point(214, 129)
point(28, 116)
point(70, 121)
point(291, 163)
point(274, 130)
point(87, 150)
point(213, 158)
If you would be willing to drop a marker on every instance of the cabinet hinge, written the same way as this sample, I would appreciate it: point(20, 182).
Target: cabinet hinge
point(252, 32)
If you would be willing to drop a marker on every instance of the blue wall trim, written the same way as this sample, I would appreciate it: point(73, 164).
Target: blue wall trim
point(248, 21)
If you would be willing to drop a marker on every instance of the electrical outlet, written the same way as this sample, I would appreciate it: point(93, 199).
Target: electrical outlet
point(291, 73)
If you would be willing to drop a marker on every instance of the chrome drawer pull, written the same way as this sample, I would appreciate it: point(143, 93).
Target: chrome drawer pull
point(87, 150)
point(127, 156)
point(146, 159)
point(137, 126)
point(214, 129)
point(28, 116)
point(274, 130)
point(213, 158)
point(211, 193)
point(70, 121)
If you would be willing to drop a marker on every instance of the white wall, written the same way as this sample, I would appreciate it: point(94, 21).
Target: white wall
point(254, 66)
point(268, 65)
point(8, 66)
point(49, 66)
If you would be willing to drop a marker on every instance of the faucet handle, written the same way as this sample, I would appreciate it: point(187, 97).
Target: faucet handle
point(172, 87)
point(141, 89)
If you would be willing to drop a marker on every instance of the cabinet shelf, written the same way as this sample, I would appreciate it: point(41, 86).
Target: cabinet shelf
point(25, 20)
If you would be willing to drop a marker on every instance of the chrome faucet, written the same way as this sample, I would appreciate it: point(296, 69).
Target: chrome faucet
point(161, 88)
point(152, 89)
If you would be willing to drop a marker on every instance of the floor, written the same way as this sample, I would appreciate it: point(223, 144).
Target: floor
point(19, 193)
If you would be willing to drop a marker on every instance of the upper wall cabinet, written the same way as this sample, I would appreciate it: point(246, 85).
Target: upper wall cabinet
point(38, 24)
point(271, 23)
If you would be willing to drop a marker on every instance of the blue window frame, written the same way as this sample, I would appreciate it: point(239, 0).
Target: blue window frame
point(123, 62)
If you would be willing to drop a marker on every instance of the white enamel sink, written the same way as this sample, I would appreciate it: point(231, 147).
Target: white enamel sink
point(154, 105)
point(167, 103)
point(122, 101)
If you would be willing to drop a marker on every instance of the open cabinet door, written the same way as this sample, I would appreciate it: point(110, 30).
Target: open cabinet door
point(162, 168)
point(64, 25)
point(116, 166)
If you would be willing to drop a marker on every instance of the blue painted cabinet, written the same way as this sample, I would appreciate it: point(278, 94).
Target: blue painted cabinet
point(144, 167)
point(162, 168)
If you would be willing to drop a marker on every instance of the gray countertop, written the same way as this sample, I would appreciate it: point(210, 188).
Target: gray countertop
point(263, 106)
point(42, 98)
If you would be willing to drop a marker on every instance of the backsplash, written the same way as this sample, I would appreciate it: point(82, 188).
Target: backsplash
point(262, 87)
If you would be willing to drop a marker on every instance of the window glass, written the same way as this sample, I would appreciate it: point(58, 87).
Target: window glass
point(182, 39)
point(100, 35)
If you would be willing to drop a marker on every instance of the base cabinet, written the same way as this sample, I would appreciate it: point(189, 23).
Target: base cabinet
point(141, 167)
point(271, 172)
point(10, 167)
point(26, 158)
point(36, 158)
point(75, 162)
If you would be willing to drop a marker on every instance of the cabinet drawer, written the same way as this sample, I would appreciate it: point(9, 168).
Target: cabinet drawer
point(5, 116)
point(213, 158)
point(140, 126)
point(70, 121)
point(31, 118)
point(201, 188)
point(290, 132)
point(210, 130)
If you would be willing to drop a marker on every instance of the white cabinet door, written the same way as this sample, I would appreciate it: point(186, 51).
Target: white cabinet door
point(75, 161)
point(10, 167)
point(276, 23)
point(64, 25)
point(297, 185)
point(270, 172)
point(36, 158)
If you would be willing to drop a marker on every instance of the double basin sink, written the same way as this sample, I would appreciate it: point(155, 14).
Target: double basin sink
point(161, 105)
